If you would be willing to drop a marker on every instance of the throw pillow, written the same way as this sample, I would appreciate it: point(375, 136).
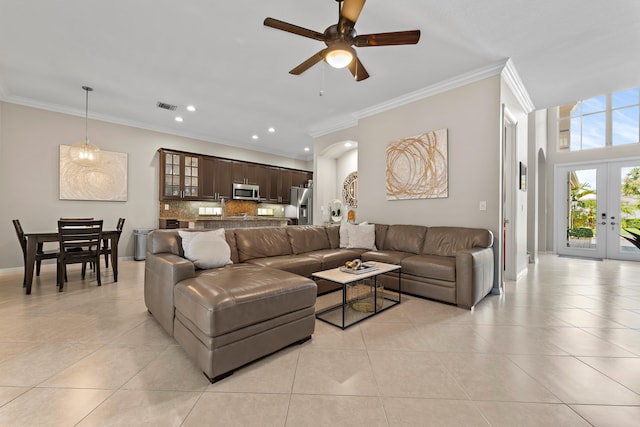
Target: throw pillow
point(344, 234)
point(206, 249)
point(362, 236)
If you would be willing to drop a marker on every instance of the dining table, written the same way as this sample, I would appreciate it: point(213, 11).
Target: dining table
point(33, 239)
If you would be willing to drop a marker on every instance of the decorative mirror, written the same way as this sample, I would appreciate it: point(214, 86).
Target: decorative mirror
point(350, 190)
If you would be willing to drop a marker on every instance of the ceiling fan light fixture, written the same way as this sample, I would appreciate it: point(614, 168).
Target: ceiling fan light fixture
point(340, 57)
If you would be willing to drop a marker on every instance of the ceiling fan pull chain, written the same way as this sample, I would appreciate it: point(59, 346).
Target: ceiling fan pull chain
point(321, 93)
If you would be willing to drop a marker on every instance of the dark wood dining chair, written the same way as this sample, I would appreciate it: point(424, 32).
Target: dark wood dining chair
point(40, 253)
point(79, 244)
point(106, 250)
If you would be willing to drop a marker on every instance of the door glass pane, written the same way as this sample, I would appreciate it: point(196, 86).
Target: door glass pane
point(582, 209)
point(629, 207)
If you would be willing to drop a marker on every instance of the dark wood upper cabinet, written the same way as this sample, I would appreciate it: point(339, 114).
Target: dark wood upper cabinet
point(244, 173)
point(179, 176)
point(216, 178)
point(284, 191)
point(300, 178)
point(198, 177)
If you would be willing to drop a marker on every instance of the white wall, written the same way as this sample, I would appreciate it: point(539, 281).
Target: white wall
point(471, 114)
point(345, 164)
point(29, 163)
point(323, 189)
point(517, 198)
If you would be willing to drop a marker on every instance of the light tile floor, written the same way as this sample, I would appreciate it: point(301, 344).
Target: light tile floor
point(559, 347)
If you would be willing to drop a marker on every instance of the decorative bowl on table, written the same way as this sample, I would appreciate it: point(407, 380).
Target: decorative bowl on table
point(358, 267)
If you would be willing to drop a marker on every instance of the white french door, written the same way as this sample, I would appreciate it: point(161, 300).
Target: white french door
point(596, 205)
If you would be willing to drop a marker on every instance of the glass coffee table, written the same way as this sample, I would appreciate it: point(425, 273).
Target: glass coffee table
point(362, 295)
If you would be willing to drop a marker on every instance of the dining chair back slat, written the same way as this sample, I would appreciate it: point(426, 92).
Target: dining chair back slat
point(80, 242)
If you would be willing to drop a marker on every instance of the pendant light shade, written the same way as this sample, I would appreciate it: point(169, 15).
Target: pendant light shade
point(84, 152)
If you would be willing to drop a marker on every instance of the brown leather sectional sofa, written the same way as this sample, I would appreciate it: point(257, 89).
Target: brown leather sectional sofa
point(229, 316)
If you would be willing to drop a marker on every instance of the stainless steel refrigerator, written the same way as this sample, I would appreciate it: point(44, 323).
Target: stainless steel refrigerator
point(302, 200)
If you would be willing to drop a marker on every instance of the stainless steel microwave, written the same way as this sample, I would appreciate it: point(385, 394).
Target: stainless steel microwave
point(246, 192)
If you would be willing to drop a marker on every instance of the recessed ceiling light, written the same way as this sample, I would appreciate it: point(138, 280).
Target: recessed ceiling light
point(306, 148)
point(191, 108)
point(255, 137)
point(272, 130)
point(347, 144)
point(178, 119)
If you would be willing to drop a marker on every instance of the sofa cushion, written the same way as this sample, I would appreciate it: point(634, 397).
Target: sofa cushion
point(307, 238)
point(333, 233)
point(389, 257)
point(446, 241)
point(332, 258)
point(303, 265)
point(230, 236)
point(405, 238)
point(381, 233)
point(223, 300)
point(430, 266)
point(261, 242)
point(161, 241)
point(207, 249)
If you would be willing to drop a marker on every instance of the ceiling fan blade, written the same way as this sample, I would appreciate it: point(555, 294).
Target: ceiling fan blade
point(387, 39)
point(351, 10)
point(309, 63)
point(294, 29)
point(357, 70)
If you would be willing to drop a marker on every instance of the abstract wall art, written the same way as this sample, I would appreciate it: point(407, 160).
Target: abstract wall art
point(417, 167)
point(106, 180)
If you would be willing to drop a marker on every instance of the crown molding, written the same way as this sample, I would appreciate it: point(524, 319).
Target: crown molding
point(512, 79)
point(333, 125)
point(446, 85)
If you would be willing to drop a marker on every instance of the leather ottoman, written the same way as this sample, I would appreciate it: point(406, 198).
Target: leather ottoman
point(231, 316)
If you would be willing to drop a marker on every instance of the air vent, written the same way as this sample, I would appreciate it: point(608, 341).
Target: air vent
point(166, 106)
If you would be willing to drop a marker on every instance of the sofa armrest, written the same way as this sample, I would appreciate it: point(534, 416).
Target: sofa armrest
point(161, 273)
point(474, 275)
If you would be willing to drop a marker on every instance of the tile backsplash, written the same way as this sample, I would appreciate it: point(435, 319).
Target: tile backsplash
point(181, 209)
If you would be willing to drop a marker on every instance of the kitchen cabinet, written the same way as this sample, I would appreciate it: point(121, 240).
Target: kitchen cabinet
point(189, 176)
point(285, 188)
point(263, 175)
point(216, 178)
point(300, 178)
point(179, 175)
point(244, 173)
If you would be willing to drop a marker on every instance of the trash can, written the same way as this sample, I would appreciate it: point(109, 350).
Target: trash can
point(140, 243)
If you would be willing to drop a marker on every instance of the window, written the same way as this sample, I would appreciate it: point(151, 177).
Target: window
point(603, 121)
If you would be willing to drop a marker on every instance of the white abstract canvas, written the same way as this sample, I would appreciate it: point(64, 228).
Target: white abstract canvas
point(417, 167)
point(106, 180)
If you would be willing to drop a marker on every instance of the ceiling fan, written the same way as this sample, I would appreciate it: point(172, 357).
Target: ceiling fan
point(340, 39)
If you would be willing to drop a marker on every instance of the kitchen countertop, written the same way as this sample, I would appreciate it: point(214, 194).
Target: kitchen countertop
point(235, 218)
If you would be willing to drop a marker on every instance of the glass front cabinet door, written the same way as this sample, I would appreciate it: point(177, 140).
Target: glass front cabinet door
point(179, 175)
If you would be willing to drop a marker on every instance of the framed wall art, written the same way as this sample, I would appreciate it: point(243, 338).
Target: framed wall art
point(106, 180)
point(523, 177)
point(417, 167)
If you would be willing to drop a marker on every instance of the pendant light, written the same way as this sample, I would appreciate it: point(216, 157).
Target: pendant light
point(84, 152)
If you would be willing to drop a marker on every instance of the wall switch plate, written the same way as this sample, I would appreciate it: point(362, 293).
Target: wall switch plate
point(483, 205)
point(166, 206)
